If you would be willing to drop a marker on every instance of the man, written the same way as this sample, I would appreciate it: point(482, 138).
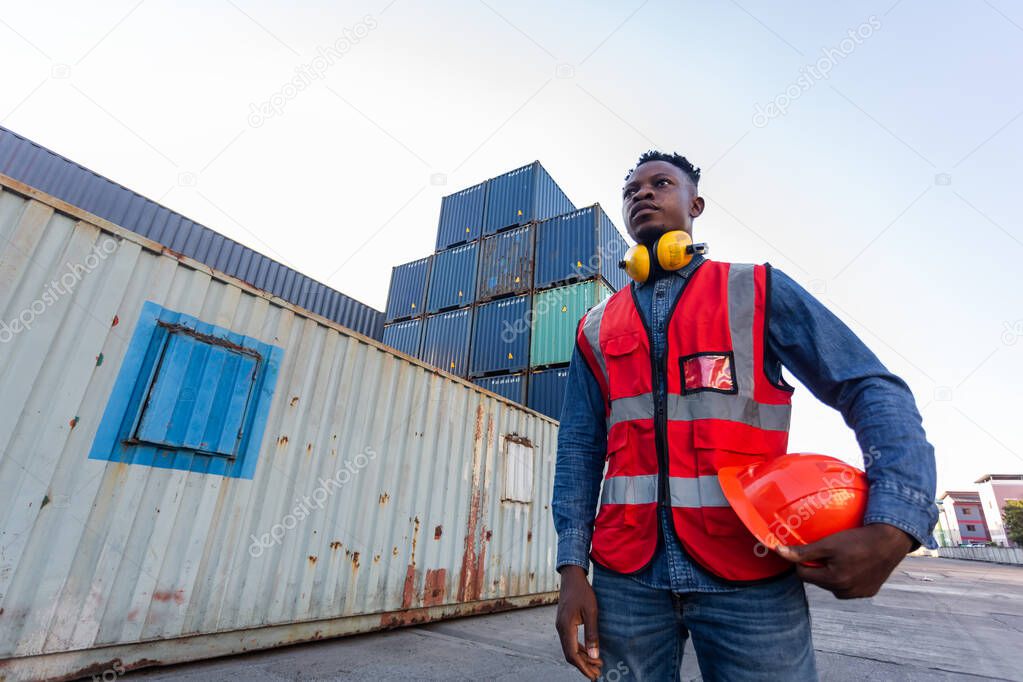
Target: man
point(677, 376)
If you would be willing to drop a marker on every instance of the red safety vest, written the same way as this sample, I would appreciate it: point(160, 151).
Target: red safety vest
point(722, 410)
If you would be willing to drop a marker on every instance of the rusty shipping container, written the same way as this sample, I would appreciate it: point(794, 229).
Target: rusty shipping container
point(285, 479)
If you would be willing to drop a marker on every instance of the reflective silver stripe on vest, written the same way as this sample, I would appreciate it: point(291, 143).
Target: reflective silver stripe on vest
point(591, 330)
point(705, 405)
point(703, 491)
point(629, 490)
point(741, 302)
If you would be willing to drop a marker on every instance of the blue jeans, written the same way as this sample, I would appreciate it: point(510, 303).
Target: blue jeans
point(760, 632)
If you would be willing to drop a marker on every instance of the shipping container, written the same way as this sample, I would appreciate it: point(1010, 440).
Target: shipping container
point(506, 263)
point(521, 196)
point(511, 386)
point(556, 315)
point(47, 171)
point(500, 341)
point(461, 216)
point(405, 336)
point(577, 246)
point(406, 297)
point(446, 341)
point(453, 278)
point(382, 491)
point(547, 391)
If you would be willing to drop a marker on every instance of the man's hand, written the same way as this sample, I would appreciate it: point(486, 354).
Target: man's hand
point(577, 605)
point(853, 563)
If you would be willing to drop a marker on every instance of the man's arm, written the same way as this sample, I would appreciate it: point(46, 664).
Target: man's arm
point(582, 443)
point(839, 369)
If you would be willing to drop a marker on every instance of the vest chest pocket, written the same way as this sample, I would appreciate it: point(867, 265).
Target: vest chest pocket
point(628, 366)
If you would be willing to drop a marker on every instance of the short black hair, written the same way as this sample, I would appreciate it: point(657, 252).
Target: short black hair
point(680, 162)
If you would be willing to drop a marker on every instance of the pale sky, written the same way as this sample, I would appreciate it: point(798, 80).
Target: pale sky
point(888, 186)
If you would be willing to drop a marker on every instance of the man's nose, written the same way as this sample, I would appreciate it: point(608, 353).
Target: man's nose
point(645, 192)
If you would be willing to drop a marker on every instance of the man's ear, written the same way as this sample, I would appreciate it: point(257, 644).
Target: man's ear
point(696, 208)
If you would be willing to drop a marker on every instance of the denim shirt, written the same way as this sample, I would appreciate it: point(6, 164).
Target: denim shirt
point(823, 354)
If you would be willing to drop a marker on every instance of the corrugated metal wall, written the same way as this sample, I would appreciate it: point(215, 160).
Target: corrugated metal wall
point(506, 263)
point(556, 315)
point(99, 553)
point(407, 295)
point(405, 336)
point(446, 340)
point(68, 181)
point(521, 196)
point(547, 391)
point(511, 386)
point(461, 216)
point(577, 246)
point(453, 278)
point(500, 336)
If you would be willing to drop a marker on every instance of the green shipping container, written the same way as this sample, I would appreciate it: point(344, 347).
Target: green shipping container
point(556, 315)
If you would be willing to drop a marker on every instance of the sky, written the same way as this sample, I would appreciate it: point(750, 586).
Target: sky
point(871, 150)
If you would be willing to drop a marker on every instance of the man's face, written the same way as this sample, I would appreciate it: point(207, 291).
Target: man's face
point(657, 198)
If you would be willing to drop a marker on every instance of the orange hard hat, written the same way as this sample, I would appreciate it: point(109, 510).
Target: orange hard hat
point(797, 498)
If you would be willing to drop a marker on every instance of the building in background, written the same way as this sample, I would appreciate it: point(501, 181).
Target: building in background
point(961, 519)
point(994, 491)
point(517, 265)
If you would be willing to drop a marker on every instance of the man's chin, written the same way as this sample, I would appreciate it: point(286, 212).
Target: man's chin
point(645, 234)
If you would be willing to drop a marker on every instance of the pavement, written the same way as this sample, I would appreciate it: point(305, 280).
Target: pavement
point(935, 619)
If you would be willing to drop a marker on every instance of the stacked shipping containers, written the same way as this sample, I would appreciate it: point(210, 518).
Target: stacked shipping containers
point(517, 265)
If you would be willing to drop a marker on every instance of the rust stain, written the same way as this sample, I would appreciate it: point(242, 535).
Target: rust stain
point(409, 593)
point(394, 552)
point(172, 253)
point(376, 559)
point(489, 534)
point(133, 614)
point(336, 544)
point(116, 321)
point(177, 596)
point(529, 536)
point(384, 498)
point(283, 440)
point(415, 537)
point(416, 616)
point(435, 588)
point(74, 422)
point(470, 582)
point(312, 559)
point(355, 559)
point(294, 400)
point(46, 501)
point(437, 532)
point(309, 448)
point(521, 440)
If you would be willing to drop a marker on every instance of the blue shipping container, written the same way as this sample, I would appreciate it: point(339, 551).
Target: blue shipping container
point(446, 340)
point(521, 196)
point(407, 296)
point(579, 246)
point(547, 391)
point(453, 278)
point(405, 336)
point(500, 341)
point(461, 216)
point(506, 263)
point(511, 386)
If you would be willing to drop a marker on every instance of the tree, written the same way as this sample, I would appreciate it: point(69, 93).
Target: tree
point(1012, 515)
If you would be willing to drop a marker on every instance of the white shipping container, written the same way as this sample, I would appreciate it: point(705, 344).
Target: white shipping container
point(379, 491)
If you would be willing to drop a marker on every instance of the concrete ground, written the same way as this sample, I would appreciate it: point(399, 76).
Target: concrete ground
point(936, 619)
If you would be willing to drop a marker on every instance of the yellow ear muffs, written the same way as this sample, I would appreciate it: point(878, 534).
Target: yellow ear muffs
point(637, 263)
point(672, 251)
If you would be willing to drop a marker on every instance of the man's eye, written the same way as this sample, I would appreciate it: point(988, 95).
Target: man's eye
point(629, 192)
point(661, 180)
